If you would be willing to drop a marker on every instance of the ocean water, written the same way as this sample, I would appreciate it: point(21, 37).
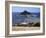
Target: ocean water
point(16, 18)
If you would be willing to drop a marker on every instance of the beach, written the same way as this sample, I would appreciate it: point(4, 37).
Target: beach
point(16, 28)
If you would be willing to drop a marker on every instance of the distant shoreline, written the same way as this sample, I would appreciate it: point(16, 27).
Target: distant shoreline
point(28, 25)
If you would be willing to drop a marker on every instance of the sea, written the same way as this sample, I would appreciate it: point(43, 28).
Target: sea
point(17, 18)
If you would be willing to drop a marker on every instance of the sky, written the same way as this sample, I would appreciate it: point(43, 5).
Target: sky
point(29, 9)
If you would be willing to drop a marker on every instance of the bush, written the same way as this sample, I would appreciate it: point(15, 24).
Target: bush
point(37, 25)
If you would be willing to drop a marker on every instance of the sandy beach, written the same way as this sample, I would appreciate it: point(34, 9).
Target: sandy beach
point(16, 28)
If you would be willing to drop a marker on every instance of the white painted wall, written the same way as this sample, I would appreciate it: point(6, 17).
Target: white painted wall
point(2, 19)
